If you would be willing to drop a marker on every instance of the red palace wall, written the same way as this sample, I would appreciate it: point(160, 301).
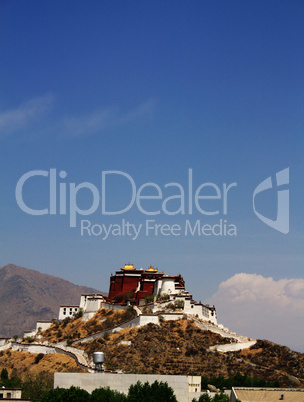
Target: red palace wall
point(121, 285)
point(146, 289)
point(127, 281)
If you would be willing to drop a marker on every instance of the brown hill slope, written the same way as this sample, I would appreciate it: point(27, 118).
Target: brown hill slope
point(24, 365)
point(177, 347)
point(180, 347)
point(27, 296)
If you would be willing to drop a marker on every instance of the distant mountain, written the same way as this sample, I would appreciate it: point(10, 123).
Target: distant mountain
point(27, 296)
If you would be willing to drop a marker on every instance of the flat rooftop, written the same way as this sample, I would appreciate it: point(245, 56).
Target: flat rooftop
point(269, 394)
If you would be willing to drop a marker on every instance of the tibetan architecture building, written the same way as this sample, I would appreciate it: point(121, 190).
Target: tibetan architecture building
point(137, 284)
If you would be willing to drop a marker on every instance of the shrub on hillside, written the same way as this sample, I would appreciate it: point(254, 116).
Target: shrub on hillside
point(179, 304)
point(149, 299)
point(163, 297)
point(38, 358)
point(78, 314)
point(118, 298)
point(129, 296)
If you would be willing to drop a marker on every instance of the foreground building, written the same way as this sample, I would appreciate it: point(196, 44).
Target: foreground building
point(12, 394)
point(266, 394)
point(185, 387)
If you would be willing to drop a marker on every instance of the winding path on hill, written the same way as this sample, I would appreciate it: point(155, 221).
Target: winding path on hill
point(81, 358)
point(242, 342)
point(78, 355)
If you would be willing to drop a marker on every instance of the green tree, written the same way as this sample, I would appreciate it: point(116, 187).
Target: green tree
point(14, 381)
point(78, 314)
point(203, 398)
point(221, 398)
point(4, 374)
point(71, 394)
point(238, 380)
point(217, 398)
point(35, 386)
point(156, 392)
point(107, 395)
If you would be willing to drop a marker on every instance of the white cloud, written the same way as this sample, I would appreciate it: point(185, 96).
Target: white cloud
point(24, 115)
point(263, 308)
point(100, 120)
point(31, 115)
point(87, 124)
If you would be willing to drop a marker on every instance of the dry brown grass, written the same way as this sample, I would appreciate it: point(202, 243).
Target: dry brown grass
point(177, 347)
point(76, 328)
point(180, 347)
point(24, 364)
point(250, 352)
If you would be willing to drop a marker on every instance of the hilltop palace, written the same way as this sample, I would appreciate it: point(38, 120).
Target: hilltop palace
point(139, 287)
point(150, 292)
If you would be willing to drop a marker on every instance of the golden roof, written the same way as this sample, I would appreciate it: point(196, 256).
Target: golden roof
point(128, 267)
point(152, 269)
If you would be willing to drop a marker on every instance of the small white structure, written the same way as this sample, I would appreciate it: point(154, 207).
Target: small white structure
point(11, 394)
point(67, 311)
point(29, 333)
point(194, 383)
point(164, 285)
point(200, 310)
point(90, 303)
point(4, 341)
point(42, 325)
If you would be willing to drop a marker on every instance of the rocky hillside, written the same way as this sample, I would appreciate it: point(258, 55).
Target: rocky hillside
point(171, 347)
point(180, 347)
point(176, 347)
point(27, 296)
point(24, 365)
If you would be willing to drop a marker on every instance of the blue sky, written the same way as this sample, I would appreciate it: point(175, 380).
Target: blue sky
point(153, 89)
